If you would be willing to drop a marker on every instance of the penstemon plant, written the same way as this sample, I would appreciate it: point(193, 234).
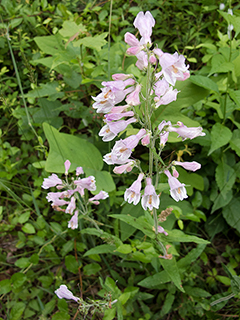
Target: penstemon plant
point(124, 101)
point(161, 71)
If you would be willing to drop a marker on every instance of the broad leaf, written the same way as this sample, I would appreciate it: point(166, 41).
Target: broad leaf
point(96, 42)
point(80, 152)
point(231, 213)
point(220, 135)
point(225, 177)
point(204, 82)
point(170, 266)
point(235, 141)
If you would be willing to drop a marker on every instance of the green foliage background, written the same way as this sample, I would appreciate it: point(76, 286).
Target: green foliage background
point(63, 51)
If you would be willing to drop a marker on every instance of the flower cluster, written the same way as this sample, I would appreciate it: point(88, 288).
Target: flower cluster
point(123, 102)
point(72, 192)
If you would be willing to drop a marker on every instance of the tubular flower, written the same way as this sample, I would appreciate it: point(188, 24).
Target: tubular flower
point(161, 230)
point(123, 149)
point(185, 132)
point(51, 181)
point(72, 206)
point(150, 199)
point(177, 189)
point(144, 23)
point(164, 93)
point(54, 197)
point(173, 67)
point(163, 134)
point(133, 98)
point(88, 183)
point(112, 93)
point(79, 170)
point(192, 166)
point(63, 292)
point(142, 61)
point(101, 195)
point(67, 165)
point(73, 222)
point(125, 167)
point(111, 129)
point(133, 194)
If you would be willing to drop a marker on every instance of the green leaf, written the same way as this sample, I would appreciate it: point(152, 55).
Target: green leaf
point(96, 42)
point(170, 266)
point(62, 315)
point(222, 200)
point(137, 223)
point(5, 286)
point(179, 236)
point(235, 141)
point(70, 28)
point(124, 248)
point(204, 82)
point(71, 264)
point(18, 279)
point(46, 90)
point(126, 229)
point(103, 248)
point(168, 301)
point(22, 263)
point(80, 152)
point(231, 213)
point(235, 95)
point(24, 217)
point(196, 292)
point(91, 268)
point(28, 228)
point(225, 178)
point(163, 277)
point(50, 44)
point(17, 311)
point(220, 135)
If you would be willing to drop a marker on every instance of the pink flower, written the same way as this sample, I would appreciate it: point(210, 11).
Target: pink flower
point(133, 194)
point(54, 197)
point(142, 61)
point(144, 23)
point(163, 134)
point(177, 189)
point(111, 130)
point(121, 76)
point(51, 181)
point(67, 165)
point(185, 132)
point(125, 167)
point(135, 46)
point(173, 67)
point(175, 173)
point(63, 292)
point(133, 98)
point(72, 206)
point(161, 230)
point(146, 139)
point(150, 199)
point(100, 196)
point(192, 166)
point(88, 183)
point(79, 170)
point(131, 40)
point(112, 93)
point(123, 149)
point(113, 116)
point(73, 222)
point(165, 94)
point(119, 109)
